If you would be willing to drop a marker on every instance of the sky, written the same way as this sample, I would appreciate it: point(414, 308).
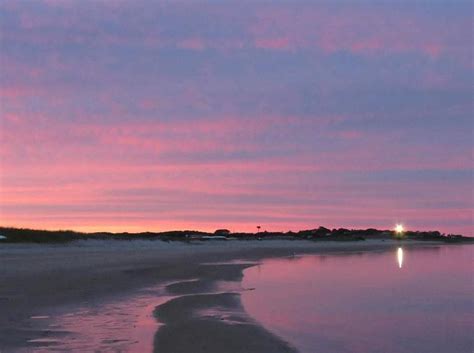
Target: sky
point(145, 115)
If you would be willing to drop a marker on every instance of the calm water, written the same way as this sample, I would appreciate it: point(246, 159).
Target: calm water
point(406, 300)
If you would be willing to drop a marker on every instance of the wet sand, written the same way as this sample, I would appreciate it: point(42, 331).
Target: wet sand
point(206, 318)
point(202, 317)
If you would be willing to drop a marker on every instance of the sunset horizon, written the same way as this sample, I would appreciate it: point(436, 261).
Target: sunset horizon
point(202, 115)
point(236, 176)
point(211, 229)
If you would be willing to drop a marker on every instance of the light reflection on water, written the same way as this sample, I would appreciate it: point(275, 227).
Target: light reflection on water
point(363, 302)
point(400, 257)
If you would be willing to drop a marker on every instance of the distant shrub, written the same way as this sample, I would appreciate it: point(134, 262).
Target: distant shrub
point(222, 232)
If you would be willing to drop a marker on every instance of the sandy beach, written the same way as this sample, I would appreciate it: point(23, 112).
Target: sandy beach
point(202, 316)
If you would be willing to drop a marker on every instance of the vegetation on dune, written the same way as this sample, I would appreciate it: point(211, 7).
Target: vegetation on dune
point(21, 235)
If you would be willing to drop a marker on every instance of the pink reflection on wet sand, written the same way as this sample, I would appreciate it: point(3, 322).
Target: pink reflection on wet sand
point(122, 325)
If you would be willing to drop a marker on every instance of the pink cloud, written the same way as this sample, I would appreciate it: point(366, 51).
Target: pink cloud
point(273, 43)
point(192, 43)
point(358, 30)
point(361, 30)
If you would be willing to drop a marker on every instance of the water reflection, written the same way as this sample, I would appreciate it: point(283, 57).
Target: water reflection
point(122, 325)
point(362, 302)
point(400, 257)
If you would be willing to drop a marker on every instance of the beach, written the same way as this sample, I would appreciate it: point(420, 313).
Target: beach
point(203, 312)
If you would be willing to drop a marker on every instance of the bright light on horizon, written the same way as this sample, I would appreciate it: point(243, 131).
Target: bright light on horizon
point(399, 229)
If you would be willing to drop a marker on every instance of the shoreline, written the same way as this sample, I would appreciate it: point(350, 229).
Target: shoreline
point(55, 277)
point(200, 309)
point(206, 316)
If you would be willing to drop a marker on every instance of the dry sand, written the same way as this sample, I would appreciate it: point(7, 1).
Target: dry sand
point(38, 279)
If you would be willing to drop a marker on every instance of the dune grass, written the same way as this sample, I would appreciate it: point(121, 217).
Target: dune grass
point(25, 235)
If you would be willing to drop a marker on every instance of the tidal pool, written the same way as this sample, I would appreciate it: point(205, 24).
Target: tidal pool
point(404, 300)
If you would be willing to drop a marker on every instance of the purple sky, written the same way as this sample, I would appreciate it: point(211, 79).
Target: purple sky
point(129, 115)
